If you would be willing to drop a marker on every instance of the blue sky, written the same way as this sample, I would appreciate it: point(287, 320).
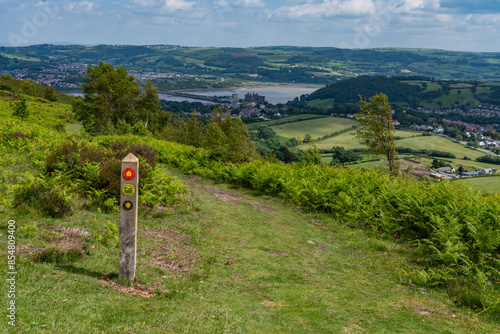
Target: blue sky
point(472, 25)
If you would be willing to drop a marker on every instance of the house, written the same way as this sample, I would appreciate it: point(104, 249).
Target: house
point(414, 127)
point(439, 129)
point(469, 174)
point(446, 169)
point(441, 176)
point(488, 171)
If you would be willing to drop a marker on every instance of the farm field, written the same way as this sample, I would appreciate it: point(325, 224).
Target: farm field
point(486, 184)
point(285, 120)
point(315, 127)
point(438, 143)
point(325, 103)
point(348, 141)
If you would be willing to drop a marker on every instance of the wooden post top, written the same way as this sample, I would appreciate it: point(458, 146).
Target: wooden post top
point(130, 158)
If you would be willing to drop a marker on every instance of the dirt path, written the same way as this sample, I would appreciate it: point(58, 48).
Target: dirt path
point(225, 196)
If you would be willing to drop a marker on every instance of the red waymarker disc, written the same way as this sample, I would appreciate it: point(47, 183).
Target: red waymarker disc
point(128, 173)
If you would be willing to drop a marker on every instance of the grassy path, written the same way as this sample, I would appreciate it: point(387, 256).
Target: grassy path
point(239, 264)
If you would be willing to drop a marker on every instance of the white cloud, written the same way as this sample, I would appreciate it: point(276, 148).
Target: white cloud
point(147, 3)
point(80, 7)
point(163, 5)
point(412, 6)
point(328, 8)
point(178, 4)
point(249, 3)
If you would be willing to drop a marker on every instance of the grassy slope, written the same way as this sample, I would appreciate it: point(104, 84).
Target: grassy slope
point(252, 265)
point(248, 270)
point(409, 139)
point(439, 143)
point(315, 127)
point(486, 184)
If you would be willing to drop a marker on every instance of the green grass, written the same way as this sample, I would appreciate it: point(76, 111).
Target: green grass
point(238, 263)
point(73, 128)
point(346, 140)
point(326, 103)
point(246, 269)
point(20, 57)
point(486, 184)
point(315, 127)
point(438, 143)
point(290, 119)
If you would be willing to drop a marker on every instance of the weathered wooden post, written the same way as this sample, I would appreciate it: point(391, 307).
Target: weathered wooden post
point(128, 216)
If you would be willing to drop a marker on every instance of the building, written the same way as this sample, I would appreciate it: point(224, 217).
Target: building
point(254, 97)
point(469, 174)
point(488, 171)
point(446, 169)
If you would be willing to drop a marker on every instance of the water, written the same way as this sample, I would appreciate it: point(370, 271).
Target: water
point(274, 94)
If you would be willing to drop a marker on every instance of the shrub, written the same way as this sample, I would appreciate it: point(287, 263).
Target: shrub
point(56, 255)
point(6, 86)
point(50, 94)
point(71, 155)
point(20, 109)
point(51, 201)
point(109, 178)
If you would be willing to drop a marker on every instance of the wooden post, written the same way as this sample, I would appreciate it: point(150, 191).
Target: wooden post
point(128, 216)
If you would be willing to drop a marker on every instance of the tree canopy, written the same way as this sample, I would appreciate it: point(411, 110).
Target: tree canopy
point(376, 128)
point(112, 95)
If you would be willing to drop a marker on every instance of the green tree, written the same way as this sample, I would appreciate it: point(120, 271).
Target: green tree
point(148, 104)
point(376, 128)
point(312, 155)
point(20, 109)
point(50, 94)
point(265, 132)
point(192, 130)
point(110, 95)
point(340, 156)
point(214, 138)
point(436, 163)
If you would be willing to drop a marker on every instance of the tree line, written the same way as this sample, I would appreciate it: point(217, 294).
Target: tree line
point(114, 103)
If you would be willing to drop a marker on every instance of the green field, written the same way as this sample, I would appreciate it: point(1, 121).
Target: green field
point(290, 119)
point(440, 144)
point(315, 127)
point(326, 103)
point(348, 141)
point(486, 184)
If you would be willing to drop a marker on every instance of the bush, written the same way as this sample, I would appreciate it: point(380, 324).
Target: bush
point(71, 155)
point(56, 255)
point(50, 94)
point(20, 109)
point(6, 86)
point(52, 201)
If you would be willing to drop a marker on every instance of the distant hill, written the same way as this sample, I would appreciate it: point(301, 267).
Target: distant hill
point(287, 64)
point(412, 91)
point(348, 91)
point(34, 89)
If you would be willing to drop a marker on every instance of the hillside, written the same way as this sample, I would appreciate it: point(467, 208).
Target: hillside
point(173, 67)
point(408, 91)
point(330, 132)
point(348, 91)
point(296, 249)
